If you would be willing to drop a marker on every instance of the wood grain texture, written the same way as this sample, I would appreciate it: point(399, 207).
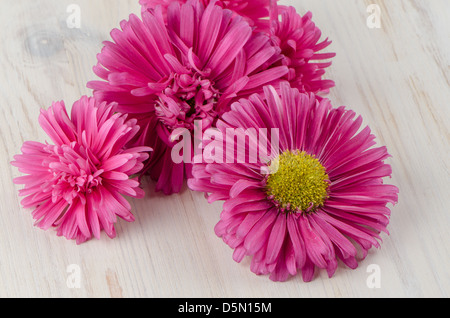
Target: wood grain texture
point(396, 77)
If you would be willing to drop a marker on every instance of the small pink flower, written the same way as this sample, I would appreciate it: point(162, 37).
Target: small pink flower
point(169, 74)
point(254, 11)
point(298, 38)
point(77, 184)
point(320, 198)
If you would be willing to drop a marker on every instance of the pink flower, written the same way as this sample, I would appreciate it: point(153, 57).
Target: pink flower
point(76, 185)
point(169, 75)
point(317, 200)
point(298, 37)
point(254, 12)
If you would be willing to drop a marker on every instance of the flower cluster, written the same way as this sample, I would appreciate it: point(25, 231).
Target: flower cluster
point(315, 198)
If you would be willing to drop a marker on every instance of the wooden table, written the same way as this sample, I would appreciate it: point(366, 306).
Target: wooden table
point(396, 76)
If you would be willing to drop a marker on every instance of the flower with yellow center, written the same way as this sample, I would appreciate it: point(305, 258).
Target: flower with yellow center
point(297, 183)
point(320, 201)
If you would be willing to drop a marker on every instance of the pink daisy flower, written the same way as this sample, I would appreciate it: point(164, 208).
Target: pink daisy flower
point(299, 40)
point(76, 185)
point(254, 12)
point(319, 199)
point(169, 75)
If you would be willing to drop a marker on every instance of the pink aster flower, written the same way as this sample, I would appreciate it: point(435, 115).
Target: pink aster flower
point(319, 199)
point(77, 184)
point(169, 75)
point(254, 12)
point(299, 40)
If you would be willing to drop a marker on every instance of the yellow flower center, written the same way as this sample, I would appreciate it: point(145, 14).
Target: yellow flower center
point(297, 182)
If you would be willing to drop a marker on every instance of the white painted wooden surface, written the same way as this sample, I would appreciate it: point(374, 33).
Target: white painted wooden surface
point(397, 77)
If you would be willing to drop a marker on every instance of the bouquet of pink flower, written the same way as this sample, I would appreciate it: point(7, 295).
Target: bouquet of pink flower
point(302, 186)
